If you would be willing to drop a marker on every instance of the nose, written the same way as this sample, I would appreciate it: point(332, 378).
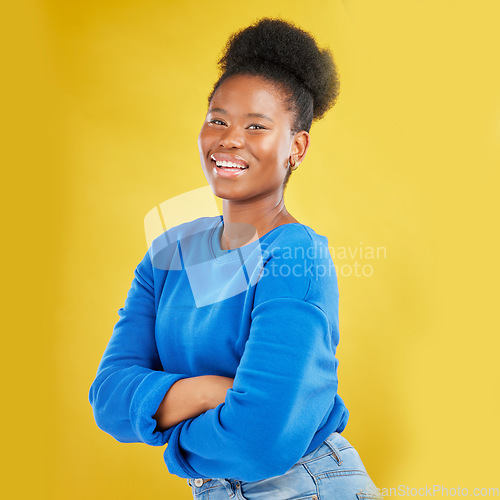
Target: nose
point(231, 138)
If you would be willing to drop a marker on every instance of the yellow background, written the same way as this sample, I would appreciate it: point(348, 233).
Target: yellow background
point(102, 105)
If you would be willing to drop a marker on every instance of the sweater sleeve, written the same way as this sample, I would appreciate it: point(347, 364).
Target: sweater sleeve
point(284, 386)
point(130, 382)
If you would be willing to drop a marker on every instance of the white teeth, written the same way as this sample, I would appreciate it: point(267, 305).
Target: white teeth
point(227, 164)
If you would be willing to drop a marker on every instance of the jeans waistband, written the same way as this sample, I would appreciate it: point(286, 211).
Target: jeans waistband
point(332, 444)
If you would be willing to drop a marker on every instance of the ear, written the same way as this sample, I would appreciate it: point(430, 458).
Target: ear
point(300, 144)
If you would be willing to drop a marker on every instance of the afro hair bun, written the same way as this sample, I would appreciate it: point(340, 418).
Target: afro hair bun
point(281, 51)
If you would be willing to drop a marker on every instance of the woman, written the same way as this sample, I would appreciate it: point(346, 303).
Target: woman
point(225, 347)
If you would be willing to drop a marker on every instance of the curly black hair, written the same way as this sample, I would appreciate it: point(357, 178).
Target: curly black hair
point(288, 56)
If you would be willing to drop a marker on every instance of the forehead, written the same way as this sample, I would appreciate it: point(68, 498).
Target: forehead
point(250, 94)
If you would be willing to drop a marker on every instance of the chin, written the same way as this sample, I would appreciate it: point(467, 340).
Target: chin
point(228, 192)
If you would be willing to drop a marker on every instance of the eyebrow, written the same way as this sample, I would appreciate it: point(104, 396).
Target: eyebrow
point(252, 115)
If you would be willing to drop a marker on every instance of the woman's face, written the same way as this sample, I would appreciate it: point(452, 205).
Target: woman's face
point(246, 141)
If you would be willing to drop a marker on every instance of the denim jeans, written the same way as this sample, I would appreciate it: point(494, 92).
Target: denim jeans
point(333, 471)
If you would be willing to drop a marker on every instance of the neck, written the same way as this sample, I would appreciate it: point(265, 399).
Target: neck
point(245, 222)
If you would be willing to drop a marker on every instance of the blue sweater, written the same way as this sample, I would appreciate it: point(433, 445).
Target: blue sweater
point(265, 314)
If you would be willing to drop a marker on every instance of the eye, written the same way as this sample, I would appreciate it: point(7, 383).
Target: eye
point(216, 121)
point(255, 126)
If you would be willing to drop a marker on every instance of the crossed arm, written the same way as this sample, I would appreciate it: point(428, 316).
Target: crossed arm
point(190, 397)
point(133, 399)
point(283, 390)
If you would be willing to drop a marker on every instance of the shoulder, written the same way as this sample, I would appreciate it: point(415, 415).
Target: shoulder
point(296, 242)
point(186, 229)
point(297, 264)
point(164, 250)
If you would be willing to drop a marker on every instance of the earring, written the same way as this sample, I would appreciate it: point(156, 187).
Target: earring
point(293, 166)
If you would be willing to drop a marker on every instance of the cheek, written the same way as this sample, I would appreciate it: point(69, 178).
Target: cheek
point(205, 140)
point(276, 149)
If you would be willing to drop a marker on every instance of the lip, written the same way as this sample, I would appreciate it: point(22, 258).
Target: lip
point(229, 157)
point(227, 173)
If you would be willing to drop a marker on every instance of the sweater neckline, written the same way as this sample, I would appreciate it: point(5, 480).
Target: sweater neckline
point(235, 253)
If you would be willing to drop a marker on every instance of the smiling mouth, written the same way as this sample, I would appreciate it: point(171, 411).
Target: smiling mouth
point(226, 170)
point(230, 168)
point(228, 165)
